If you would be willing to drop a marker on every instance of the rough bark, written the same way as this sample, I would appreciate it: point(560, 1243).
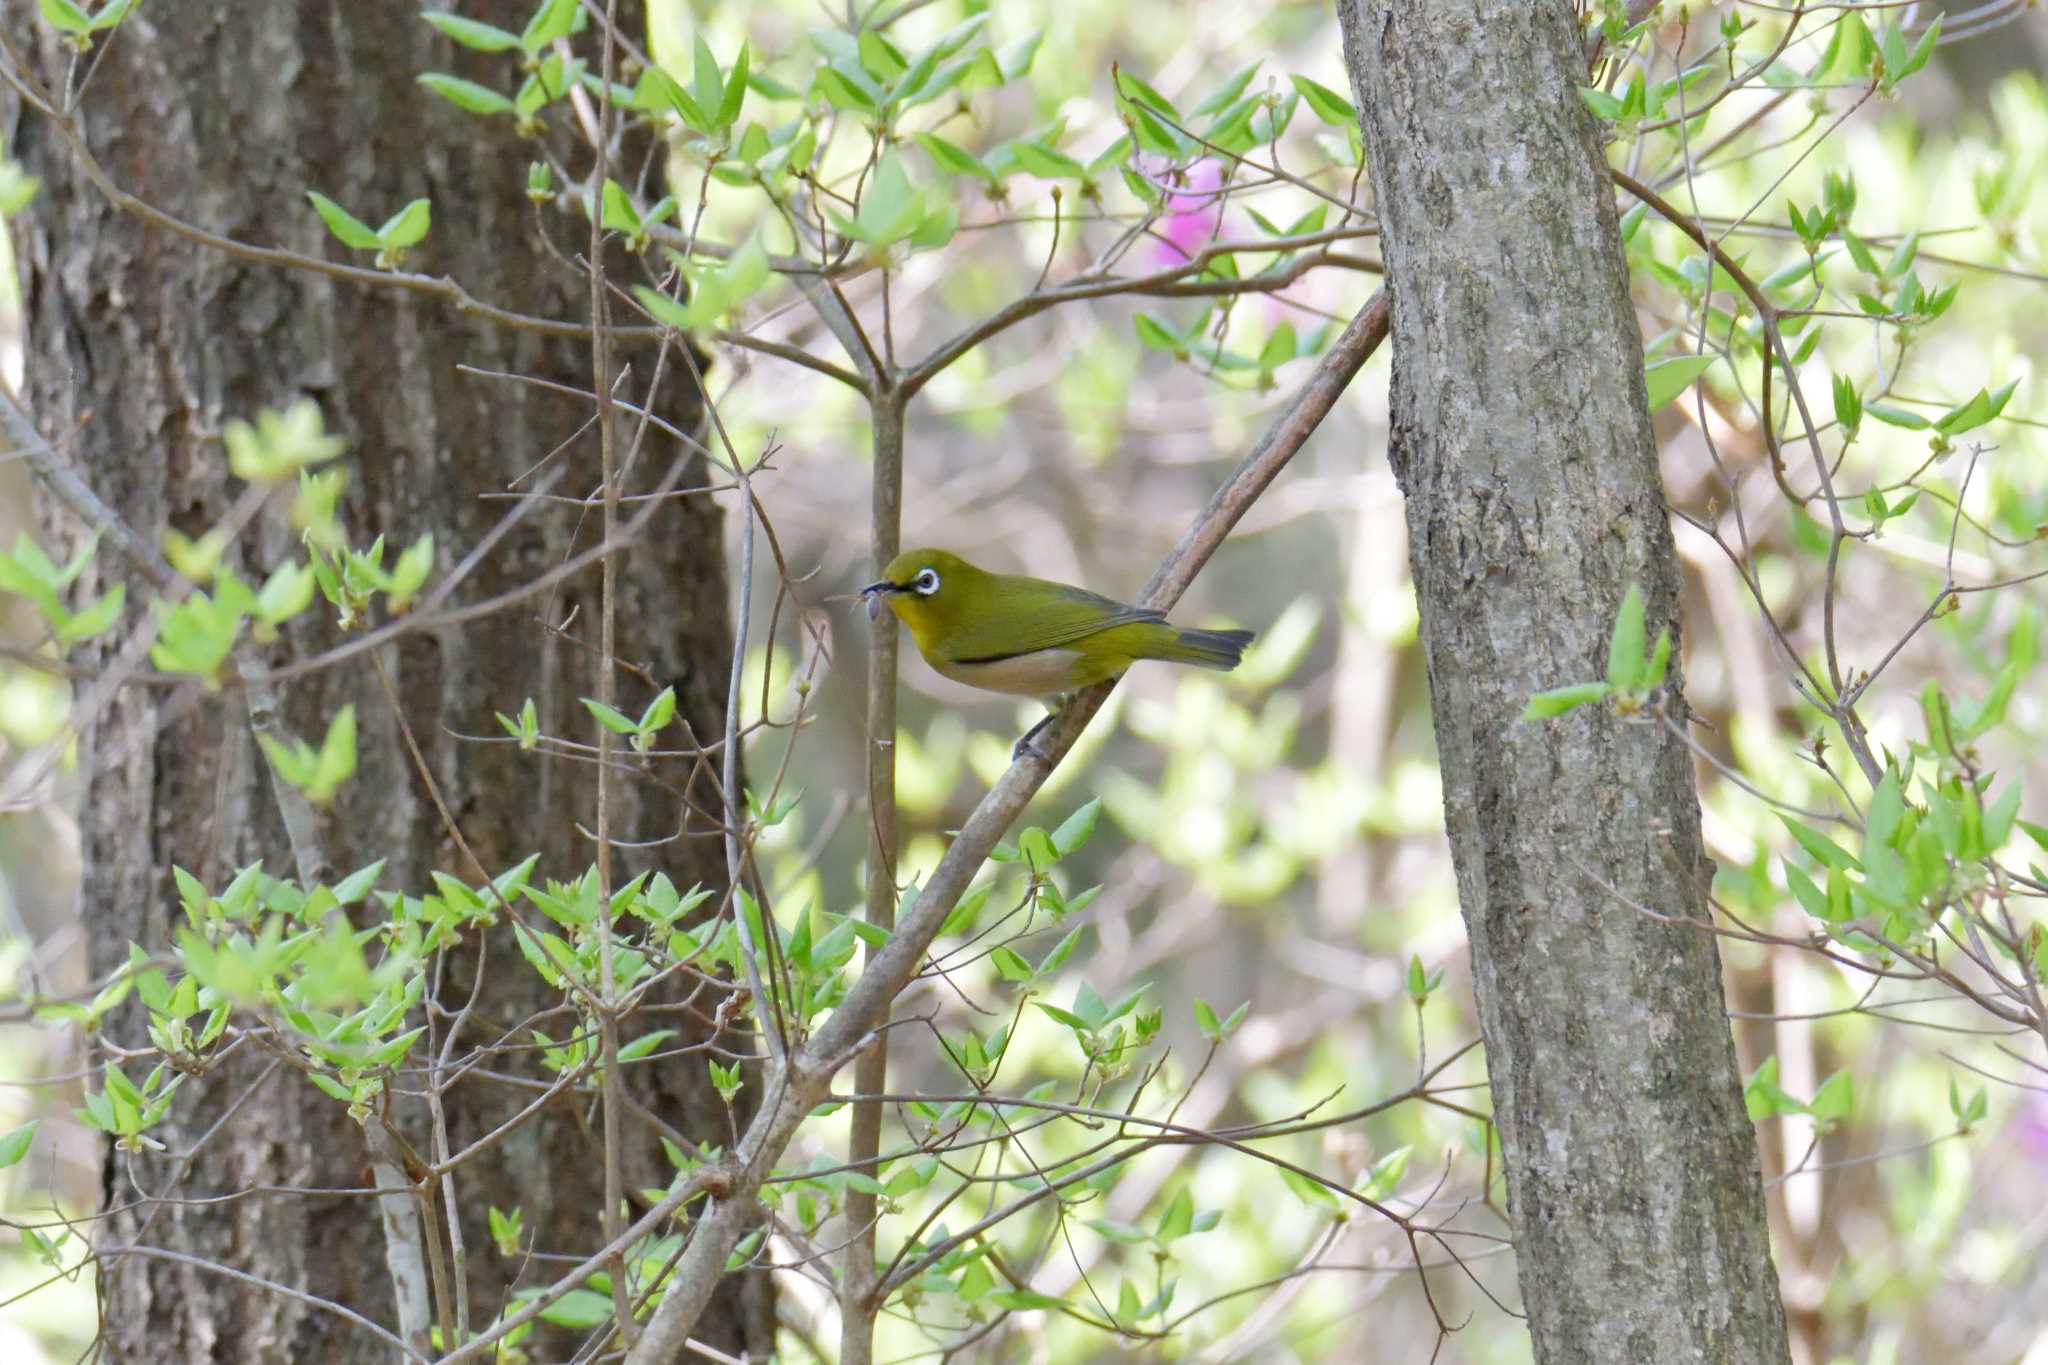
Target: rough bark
point(1521, 442)
point(140, 346)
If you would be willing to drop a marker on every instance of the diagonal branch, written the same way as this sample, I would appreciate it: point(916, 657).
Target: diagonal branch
point(806, 1079)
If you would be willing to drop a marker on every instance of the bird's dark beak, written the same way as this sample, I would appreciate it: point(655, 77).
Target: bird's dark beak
point(873, 594)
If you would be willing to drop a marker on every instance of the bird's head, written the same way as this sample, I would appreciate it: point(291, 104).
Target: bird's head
point(926, 589)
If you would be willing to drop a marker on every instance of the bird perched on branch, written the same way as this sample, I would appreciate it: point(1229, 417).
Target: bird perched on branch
point(1031, 637)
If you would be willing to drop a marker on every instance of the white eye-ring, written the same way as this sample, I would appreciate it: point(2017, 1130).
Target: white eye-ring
point(926, 582)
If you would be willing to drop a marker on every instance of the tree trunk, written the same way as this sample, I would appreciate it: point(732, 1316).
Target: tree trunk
point(141, 345)
point(1522, 444)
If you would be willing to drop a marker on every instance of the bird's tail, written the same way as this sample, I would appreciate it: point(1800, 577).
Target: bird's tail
point(1208, 648)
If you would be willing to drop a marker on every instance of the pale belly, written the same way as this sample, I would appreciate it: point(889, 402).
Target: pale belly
point(1044, 674)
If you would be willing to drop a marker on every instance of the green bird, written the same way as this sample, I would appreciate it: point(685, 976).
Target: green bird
point(1031, 637)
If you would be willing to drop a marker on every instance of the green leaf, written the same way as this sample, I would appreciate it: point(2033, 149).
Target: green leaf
point(334, 1089)
point(1625, 645)
point(391, 1053)
point(351, 231)
point(1666, 379)
point(357, 884)
point(1037, 848)
point(472, 33)
point(892, 207)
point(1307, 1190)
point(1227, 94)
point(707, 83)
point(728, 111)
point(1127, 1233)
point(1067, 1017)
point(1061, 951)
point(1154, 137)
point(879, 56)
point(1974, 1111)
point(645, 1044)
point(1834, 1101)
point(1116, 155)
point(112, 14)
point(1281, 347)
point(618, 212)
point(1214, 1029)
point(610, 719)
point(95, 619)
point(1922, 50)
point(1386, 1173)
point(1179, 1219)
point(1902, 256)
point(1134, 90)
point(1325, 103)
point(64, 16)
point(1660, 661)
point(1896, 417)
point(660, 711)
point(1010, 965)
point(554, 19)
point(1603, 105)
point(747, 270)
point(1811, 898)
point(1849, 53)
point(1077, 828)
point(287, 592)
point(1044, 162)
point(836, 89)
point(337, 761)
point(1822, 849)
point(1973, 722)
point(1859, 253)
point(1980, 409)
point(466, 95)
point(408, 226)
point(937, 228)
point(1558, 700)
point(954, 160)
point(1154, 335)
point(15, 1145)
point(579, 1310)
point(662, 308)
point(1418, 980)
point(410, 572)
point(1015, 59)
point(1762, 1096)
point(1848, 405)
point(1999, 819)
point(1887, 809)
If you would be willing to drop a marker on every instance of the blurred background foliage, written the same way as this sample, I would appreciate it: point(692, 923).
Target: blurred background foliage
point(1273, 837)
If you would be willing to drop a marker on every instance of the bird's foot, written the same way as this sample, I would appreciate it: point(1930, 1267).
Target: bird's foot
point(1029, 743)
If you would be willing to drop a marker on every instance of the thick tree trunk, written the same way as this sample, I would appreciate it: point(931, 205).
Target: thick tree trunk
point(141, 345)
point(1521, 441)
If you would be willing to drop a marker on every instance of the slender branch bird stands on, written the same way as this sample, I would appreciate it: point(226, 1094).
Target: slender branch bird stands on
point(1026, 636)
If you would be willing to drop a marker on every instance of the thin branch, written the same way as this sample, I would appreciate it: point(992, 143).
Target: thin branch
point(850, 1029)
point(607, 675)
point(273, 1287)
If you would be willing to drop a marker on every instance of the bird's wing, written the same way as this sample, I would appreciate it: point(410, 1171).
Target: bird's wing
point(1038, 615)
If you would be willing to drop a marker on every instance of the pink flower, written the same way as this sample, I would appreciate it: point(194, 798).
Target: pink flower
point(2029, 1124)
point(1193, 211)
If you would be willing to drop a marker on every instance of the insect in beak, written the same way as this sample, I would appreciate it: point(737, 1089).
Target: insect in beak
point(873, 594)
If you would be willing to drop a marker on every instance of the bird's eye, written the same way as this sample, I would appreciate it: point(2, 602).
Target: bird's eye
point(926, 582)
